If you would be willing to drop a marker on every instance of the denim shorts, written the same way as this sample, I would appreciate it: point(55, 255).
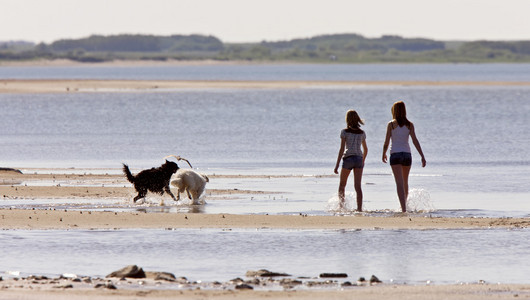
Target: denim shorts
point(401, 158)
point(353, 161)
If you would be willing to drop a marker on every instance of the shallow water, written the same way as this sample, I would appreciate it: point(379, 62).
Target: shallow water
point(402, 256)
point(313, 195)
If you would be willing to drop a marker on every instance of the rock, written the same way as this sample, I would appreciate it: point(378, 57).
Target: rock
point(264, 273)
point(319, 283)
point(182, 280)
point(333, 275)
point(10, 170)
point(374, 279)
point(109, 286)
point(66, 286)
point(160, 276)
point(33, 277)
point(254, 281)
point(236, 281)
point(87, 279)
point(132, 271)
point(361, 280)
point(244, 286)
point(289, 282)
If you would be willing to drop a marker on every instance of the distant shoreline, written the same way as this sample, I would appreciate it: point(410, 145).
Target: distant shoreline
point(205, 62)
point(120, 62)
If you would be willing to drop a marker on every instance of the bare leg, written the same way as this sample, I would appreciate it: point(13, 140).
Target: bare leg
point(344, 173)
point(406, 171)
point(357, 176)
point(400, 186)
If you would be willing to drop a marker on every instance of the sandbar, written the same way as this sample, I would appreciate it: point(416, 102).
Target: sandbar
point(8, 86)
point(72, 219)
point(16, 186)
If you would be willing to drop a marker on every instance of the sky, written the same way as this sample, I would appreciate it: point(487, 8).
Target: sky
point(265, 20)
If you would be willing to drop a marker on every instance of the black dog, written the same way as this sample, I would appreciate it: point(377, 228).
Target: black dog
point(155, 180)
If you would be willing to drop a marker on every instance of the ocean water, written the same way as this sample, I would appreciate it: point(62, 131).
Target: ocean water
point(475, 139)
point(278, 71)
point(394, 256)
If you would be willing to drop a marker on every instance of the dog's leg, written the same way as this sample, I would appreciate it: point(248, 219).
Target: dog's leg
point(170, 193)
point(139, 196)
point(189, 196)
point(194, 195)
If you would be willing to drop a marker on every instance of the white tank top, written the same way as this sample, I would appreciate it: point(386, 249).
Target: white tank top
point(400, 140)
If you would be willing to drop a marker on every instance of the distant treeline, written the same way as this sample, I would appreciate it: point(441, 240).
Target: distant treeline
point(349, 48)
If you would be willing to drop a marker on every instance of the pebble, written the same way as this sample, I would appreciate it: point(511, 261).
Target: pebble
point(244, 286)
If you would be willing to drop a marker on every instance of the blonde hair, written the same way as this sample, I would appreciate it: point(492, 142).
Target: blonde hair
point(353, 120)
point(399, 113)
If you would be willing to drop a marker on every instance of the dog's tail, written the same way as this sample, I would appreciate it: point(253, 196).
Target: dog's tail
point(127, 172)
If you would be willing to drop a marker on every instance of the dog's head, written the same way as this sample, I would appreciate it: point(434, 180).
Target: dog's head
point(170, 166)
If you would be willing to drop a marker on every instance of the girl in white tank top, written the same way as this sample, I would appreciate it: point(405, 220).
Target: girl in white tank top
point(400, 139)
point(398, 131)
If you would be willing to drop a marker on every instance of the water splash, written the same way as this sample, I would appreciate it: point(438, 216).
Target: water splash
point(349, 205)
point(419, 201)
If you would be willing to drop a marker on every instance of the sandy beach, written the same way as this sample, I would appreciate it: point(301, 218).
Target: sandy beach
point(456, 292)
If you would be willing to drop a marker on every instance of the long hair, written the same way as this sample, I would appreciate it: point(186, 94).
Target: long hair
point(399, 113)
point(353, 121)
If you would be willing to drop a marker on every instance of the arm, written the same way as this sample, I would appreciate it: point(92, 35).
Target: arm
point(387, 141)
point(341, 152)
point(365, 150)
point(417, 145)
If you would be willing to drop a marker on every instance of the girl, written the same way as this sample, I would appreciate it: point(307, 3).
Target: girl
point(352, 137)
point(399, 130)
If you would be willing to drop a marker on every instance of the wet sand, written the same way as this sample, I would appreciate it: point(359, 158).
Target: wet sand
point(76, 187)
point(70, 219)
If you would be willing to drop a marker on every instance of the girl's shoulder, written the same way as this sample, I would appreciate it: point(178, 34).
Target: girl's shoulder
point(394, 124)
point(353, 130)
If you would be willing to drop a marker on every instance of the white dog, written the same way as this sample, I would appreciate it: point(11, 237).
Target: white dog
point(191, 182)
